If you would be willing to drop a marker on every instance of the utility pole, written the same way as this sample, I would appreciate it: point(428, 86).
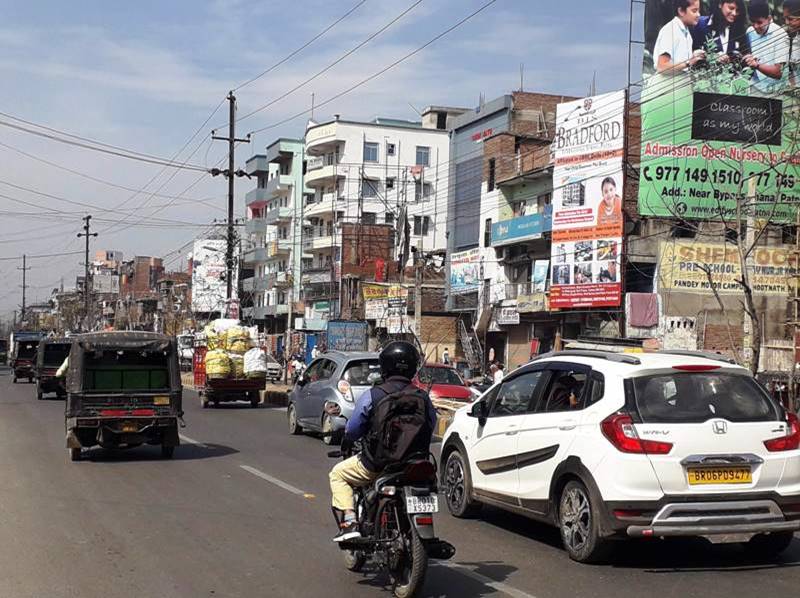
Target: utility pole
point(419, 264)
point(86, 285)
point(24, 269)
point(230, 173)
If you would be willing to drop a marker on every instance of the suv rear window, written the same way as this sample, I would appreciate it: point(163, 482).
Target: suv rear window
point(429, 375)
point(687, 397)
point(358, 372)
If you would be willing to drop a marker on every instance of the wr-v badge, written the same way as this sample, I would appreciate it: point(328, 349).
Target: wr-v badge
point(719, 427)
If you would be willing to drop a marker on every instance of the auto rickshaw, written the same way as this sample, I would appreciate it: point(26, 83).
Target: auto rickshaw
point(23, 354)
point(49, 356)
point(123, 390)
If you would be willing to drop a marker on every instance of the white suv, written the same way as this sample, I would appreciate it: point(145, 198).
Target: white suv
point(607, 445)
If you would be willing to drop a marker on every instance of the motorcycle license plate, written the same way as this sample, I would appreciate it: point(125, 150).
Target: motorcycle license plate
point(422, 504)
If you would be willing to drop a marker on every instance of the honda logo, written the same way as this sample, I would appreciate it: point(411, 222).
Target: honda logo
point(719, 427)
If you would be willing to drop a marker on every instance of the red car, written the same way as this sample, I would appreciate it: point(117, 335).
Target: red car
point(444, 382)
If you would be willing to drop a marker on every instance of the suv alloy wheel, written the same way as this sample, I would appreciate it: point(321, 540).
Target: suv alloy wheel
point(578, 524)
point(458, 487)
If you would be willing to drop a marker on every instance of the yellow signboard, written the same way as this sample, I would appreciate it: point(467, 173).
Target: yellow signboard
point(685, 266)
point(383, 291)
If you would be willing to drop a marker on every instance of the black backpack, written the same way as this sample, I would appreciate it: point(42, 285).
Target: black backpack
point(399, 427)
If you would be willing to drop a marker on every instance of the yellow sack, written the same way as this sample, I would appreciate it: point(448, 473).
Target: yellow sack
point(212, 338)
point(218, 364)
point(237, 340)
point(237, 365)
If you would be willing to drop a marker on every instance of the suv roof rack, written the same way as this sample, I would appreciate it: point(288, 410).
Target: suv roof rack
point(703, 354)
point(597, 354)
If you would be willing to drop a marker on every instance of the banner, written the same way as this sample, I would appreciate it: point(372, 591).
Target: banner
point(719, 123)
point(382, 291)
point(684, 266)
point(506, 316)
point(587, 202)
point(539, 275)
point(465, 271)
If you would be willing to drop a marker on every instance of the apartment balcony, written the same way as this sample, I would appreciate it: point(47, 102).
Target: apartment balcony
point(256, 164)
point(277, 279)
point(521, 228)
point(278, 247)
point(256, 255)
point(257, 198)
point(319, 243)
point(321, 291)
point(276, 215)
point(279, 184)
point(255, 226)
point(320, 275)
point(258, 283)
point(322, 139)
point(324, 176)
point(327, 204)
point(266, 311)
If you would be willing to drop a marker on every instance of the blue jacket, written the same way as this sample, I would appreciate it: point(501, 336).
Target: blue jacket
point(358, 424)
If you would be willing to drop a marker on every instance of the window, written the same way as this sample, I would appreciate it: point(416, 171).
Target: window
point(431, 375)
point(362, 373)
point(515, 395)
point(441, 120)
point(518, 208)
point(388, 218)
point(421, 190)
point(543, 199)
point(370, 152)
point(491, 174)
point(487, 233)
point(598, 389)
point(685, 397)
point(369, 189)
point(565, 392)
point(368, 218)
point(390, 183)
point(423, 155)
point(390, 149)
point(421, 225)
point(788, 234)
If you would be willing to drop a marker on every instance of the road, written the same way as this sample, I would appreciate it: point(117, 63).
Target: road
point(242, 511)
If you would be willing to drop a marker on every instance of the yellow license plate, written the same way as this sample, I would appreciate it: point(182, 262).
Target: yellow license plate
point(719, 475)
point(160, 400)
point(130, 428)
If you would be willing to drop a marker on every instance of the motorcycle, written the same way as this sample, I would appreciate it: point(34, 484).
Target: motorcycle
point(395, 519)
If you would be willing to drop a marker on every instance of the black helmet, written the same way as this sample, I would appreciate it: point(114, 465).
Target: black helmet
point(399, 358)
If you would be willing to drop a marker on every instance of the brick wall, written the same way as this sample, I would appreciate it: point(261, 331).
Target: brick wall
point(716, 337)
point(528, 108)
point(501, 148)
point(438, 332)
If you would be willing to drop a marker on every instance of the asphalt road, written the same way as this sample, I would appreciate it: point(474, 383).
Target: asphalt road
point(242, 511)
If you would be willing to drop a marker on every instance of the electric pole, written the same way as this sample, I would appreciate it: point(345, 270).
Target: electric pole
point(86, 286)
point(24, 269)
point(230, 173)
point(419, 264)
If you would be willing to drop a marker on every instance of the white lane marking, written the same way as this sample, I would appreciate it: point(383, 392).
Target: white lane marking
point(188, 440)
point(268, 478)
point(495, 585)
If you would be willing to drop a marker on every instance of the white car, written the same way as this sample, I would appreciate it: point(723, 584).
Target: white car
point(609, 445)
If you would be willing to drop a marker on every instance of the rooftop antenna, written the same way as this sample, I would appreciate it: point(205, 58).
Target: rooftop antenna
point(593, 87)
point(522, 76)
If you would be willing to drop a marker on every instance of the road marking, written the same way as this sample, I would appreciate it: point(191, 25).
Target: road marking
point(279, 483)
point(487, 581)
point(188, 440)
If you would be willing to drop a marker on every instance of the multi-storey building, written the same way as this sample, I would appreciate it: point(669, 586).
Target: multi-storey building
point(371, 173)
point(273, 230)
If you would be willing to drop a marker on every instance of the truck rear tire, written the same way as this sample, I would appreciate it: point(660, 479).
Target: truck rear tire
point(255, 399)
point(75, 454)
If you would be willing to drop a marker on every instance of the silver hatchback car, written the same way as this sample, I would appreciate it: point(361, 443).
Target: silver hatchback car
point(336, 379)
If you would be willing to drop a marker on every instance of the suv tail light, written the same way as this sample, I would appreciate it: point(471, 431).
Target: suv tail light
point(619, 430)
point(789, 442)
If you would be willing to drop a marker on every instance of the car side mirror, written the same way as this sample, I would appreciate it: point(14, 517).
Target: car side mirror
point(301, 380)
point(479, 410)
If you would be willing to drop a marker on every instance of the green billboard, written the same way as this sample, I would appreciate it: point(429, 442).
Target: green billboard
point(719, 113)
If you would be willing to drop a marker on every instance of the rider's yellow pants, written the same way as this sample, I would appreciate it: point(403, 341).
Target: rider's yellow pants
point(344, 477)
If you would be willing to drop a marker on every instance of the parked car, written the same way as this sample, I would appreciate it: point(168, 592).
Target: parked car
point(325, 394)
point(274, 369)
point(443, 382)
point(608, 445)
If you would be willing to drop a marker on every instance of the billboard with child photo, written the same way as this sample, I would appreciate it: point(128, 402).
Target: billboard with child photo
point(719, 110)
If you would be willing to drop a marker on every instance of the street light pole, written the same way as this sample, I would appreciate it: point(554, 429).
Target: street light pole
point(86, 289)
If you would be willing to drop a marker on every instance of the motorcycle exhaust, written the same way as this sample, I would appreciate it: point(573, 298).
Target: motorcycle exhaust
point(440, 550)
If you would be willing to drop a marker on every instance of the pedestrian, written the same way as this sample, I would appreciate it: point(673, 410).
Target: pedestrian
point(315, 352)
point(498, 372)
point(446, 356)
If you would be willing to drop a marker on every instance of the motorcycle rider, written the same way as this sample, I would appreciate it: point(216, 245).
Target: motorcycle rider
point(399, 362)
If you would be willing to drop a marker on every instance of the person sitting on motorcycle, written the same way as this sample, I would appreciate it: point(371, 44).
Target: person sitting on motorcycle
point(399, 362)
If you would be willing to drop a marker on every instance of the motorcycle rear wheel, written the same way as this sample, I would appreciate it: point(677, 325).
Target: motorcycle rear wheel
point(410, 578)
point(354, 560)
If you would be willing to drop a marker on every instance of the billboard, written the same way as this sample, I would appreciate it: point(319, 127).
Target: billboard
point(685, 266)
point(465, 271)
point(587, 202)
point(347, 335)
point(209, 289)
point(521, 228)
point(719, 135)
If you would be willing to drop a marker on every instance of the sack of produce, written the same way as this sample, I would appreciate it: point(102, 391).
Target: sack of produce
point(237, 365)
point(218, 364)
point(237, 340)
point(223, 324)
point(255, 363)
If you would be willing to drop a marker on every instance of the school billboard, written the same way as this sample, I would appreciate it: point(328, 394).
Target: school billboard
point(719, 122)
point(587, 202)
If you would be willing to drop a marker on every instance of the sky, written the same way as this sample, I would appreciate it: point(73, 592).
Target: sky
point(146, 75)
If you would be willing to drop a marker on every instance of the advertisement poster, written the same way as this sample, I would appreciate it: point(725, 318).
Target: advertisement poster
point(539, 275)
point(719, 123)
point(587, 202)
point(465, 271)
point(209, 288)
point(685, 267)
